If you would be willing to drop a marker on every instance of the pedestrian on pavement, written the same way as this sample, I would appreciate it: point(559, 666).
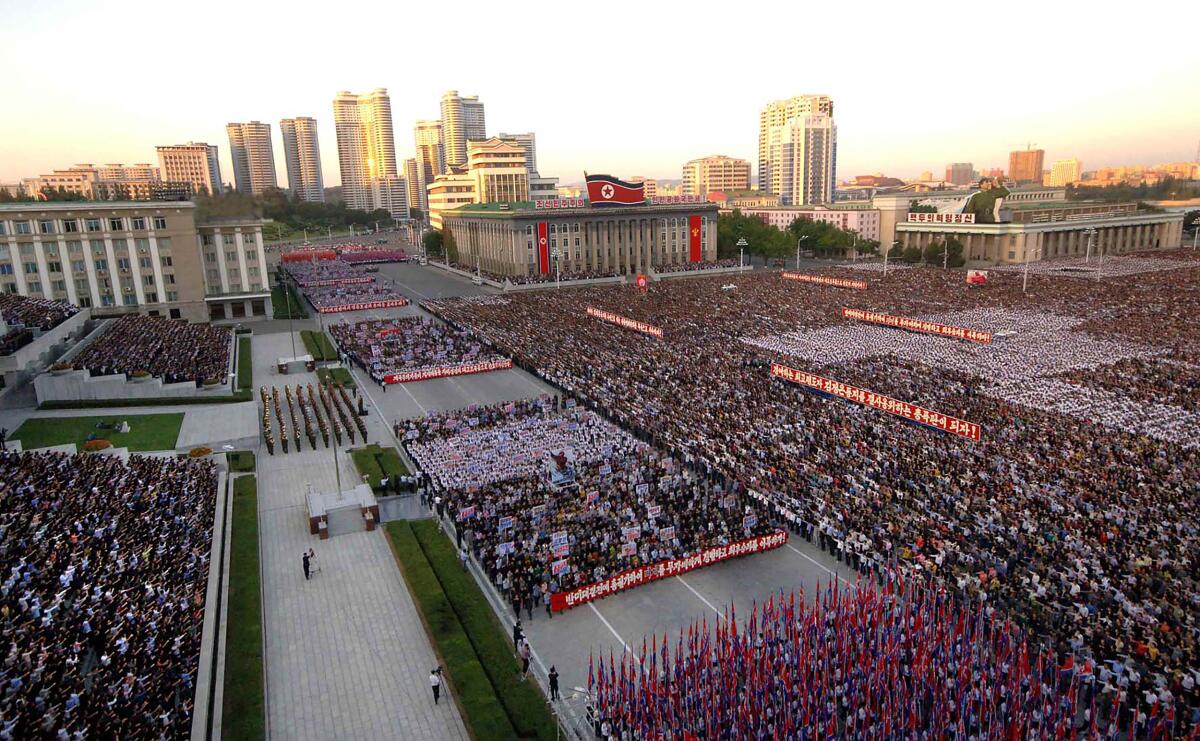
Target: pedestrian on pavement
point(546, 602)
point(553, 683)
point(462, 556)
point(306, 559)
point(383, 484)
point(529, 606)
point(518, 634)
point(435, 683)
point(3, 438)
point(525, 652)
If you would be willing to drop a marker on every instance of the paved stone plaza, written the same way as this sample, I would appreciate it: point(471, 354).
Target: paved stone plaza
point(346, 655)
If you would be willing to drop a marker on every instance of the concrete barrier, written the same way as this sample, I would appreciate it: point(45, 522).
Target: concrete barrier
point(45, 348)
point(80, 385)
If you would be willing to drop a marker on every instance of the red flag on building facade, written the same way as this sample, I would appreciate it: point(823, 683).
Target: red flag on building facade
point(696, 253)
point(543, 247)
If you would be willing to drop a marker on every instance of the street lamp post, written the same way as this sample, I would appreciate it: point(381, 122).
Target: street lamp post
point(557, 268)
point(1025, 280)
point(741, 244)
point(798, 243)
point(895, 244)
point(1090, 232)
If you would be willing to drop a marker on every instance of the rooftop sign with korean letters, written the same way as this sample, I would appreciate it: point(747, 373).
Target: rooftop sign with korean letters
point(669, 200)
point(939, 218)
point(552, 203)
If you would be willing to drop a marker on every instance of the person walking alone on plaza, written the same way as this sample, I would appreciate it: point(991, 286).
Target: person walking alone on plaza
point(553, 683)
point(525, 653)
point(307, 565)
point(435, 683)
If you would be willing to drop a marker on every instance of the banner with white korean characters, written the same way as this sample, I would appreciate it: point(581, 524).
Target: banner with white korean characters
point(465, 369)
point(918, 325)
point(645, 574)
point(942, 422)
point(825, 280)
point(624, 321)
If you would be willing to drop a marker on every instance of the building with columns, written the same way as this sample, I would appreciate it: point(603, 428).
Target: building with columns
point(507, 238)
point(894, 206)
point(1041, 231)
point(135, 257)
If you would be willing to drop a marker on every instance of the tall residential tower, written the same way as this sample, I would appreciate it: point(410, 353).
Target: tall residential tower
point(302, 154)
point(366, 150)
point(253, 156)
point(462, 120)
point(431, 158)
point(776, 115)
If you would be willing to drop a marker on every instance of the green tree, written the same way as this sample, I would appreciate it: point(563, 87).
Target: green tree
point(911, 255)
point(918, 208)
point(1190, 219)
point(433, 243)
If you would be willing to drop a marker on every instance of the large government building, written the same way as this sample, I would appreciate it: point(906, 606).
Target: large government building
point(1035, 224)
point(525, 238)
point(135, 257)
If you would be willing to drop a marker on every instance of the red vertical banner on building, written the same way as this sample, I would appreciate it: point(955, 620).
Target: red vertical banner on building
point(696, 253)
point(543, 247)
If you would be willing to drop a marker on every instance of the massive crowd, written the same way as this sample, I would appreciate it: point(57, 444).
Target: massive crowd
point(1082, 531)
point(105, 567)
point(33, 312)
point(325, 273)
point(359, 254)
point(687, 267)
point(901, 661)
point(550, 498)
point(24, 315)
point(378, 292)
point(407, 343)
point(173, 350)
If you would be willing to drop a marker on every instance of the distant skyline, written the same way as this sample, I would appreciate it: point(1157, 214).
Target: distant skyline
point(622, 92)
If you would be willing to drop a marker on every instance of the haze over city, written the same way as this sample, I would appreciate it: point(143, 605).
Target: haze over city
point(627, 88)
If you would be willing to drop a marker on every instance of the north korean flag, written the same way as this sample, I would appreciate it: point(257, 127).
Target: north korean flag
point(605, 190)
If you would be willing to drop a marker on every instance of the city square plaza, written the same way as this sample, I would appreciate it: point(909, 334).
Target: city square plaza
point(687, 374)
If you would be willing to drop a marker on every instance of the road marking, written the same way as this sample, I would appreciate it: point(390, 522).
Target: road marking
point(699, 596)
point(819, 565)
point(454, 382)
point(610, 628)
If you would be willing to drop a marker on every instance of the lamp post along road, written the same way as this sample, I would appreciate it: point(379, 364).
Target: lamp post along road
point(798, 243)
point(1090, 232)
point(742, 244)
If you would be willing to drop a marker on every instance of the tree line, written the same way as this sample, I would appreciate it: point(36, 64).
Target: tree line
point(768, 242)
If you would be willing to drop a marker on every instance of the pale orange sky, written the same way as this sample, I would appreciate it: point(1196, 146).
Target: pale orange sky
point(627, 88)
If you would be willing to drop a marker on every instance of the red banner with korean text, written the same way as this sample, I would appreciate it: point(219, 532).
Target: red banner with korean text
point(388, 304)
point(645, 574)
point(942, 422)
point(543, 247)
point(825, 280)
point(624, 321)
point(695, 253)
point(465, 369)
point(917, 325)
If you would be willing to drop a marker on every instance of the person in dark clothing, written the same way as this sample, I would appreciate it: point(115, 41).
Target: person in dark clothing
point(518, 634)
point(305, 559)
point(553, 683)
